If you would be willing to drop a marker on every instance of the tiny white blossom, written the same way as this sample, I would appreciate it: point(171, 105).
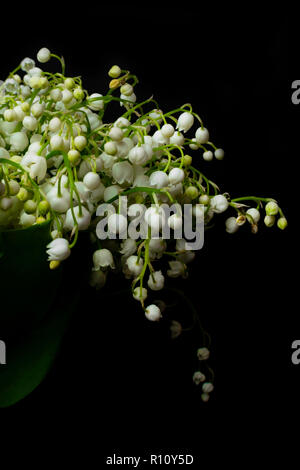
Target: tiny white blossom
point(134, 265)
point(219, 203)
point(185, 121)
point(156, 280)
point(103, 258)
point(58, 249)
point(198, 377)
point(153, 312)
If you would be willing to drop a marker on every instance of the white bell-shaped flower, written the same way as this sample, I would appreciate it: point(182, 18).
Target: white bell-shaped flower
point(122, 172)
point(231, 225)
point(156, 280)
point(159, 179)
point(135, 265)
point(83, 220)
point(185, 121)
point(58, 249)
point(177, 268)
point(37, 165)
point(18, 141)
point(202, 135)
point(103, 258)
point(153, 312)
point(219, 203)
point(128, 247)
point(140, 294)
point(176, 176)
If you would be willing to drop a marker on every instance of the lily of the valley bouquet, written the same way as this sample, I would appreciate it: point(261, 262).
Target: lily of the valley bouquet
point(135, 183)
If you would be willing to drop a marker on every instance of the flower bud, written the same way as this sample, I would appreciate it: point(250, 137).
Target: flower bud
point(55, 124)
point(126, 89)
point(5, 203)
point(254, 214)
point(95, 102)
point(271, 208)
point(204, 199)
point(80, 142)
point(219, 203)
point(91, 180)
point(43, 55)
point(43, 207)
point(30, 206)
point(185, 121)
point(156, 280)
point(176, 175)
point(23, 194)
point(159, 179)
point(14, 187)
point(134, 265)
point(231, 225)
point(192, 192)
point(9, 115)
point(282, 223)
point(116, 133)
point(202, 135)
point(187, 160)
point(69, 83)
point(74, 156)
point(203, 354)
point(153, 313)
point(205, 397)
point(78, 94)
point(110, 148)
point(115, 71)
point(140, 294)
point(167, 130)
point(207, 387)
point(198, 377)
point(208, 156)
point(219, 154)
point(269, 220)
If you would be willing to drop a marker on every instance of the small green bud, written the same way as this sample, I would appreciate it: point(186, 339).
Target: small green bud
point(23, 194)
point(69, 83)
point(74, 156)
point(40, 220)
point(78, 94)
point(25, 107)
point(204, 199)
point(282, 223)
point(30, 206)
point(14, 187)
point(269, 220)
point(43, 207)
point(110, 148)
point(271, 208)
point(126, 89)
point(115, 71)
point(44, 82)
point(187, 160)
point(192, 192)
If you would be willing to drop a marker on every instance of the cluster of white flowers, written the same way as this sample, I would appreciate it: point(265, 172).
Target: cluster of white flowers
point(60, 159)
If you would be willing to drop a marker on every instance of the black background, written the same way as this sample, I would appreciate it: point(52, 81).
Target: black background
point(119, 385)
